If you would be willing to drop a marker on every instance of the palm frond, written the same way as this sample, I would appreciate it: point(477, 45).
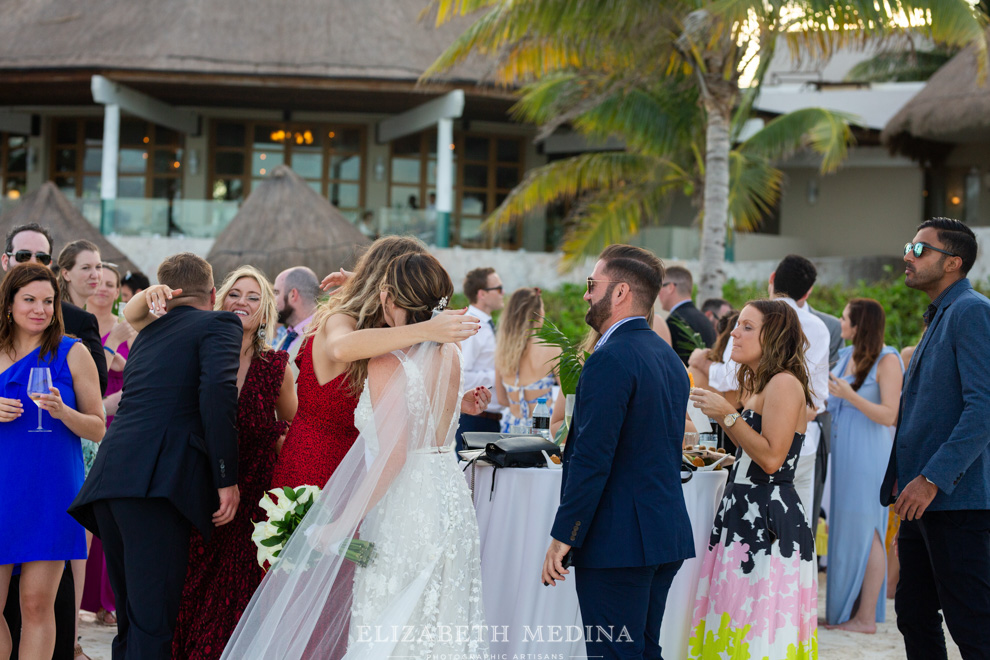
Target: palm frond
point(571, 359)
point(900, 66)
point(754, 188)
point(826, 132)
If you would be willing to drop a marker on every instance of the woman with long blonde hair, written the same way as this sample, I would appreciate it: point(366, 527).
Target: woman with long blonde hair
point(223, 573)
point(524, 366)
point(346, 331)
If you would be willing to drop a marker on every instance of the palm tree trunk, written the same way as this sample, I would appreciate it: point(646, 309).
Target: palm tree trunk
point(716, 209)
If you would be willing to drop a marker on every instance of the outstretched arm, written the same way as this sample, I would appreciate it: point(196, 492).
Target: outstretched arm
point(344, 343)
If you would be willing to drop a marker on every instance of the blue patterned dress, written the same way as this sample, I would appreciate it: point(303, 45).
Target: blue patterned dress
point(859, 455)
point(528, 394)
point(41, 473)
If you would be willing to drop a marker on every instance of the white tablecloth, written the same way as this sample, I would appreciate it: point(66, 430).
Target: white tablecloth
point(515, 525)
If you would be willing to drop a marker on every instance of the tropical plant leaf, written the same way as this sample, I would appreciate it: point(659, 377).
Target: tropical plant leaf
point(690, 339)
point(570, 361)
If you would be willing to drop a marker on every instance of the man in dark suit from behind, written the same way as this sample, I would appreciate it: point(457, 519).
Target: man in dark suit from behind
point(32, 243)
point(675, 297)
point(622, 510)
point(169, 460)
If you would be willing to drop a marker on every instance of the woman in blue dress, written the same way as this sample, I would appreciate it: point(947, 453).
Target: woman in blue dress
point(40, 472)
point(865, 389)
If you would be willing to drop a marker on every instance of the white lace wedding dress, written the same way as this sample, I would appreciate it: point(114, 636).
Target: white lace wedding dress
point(400, 488)
point(427, 571)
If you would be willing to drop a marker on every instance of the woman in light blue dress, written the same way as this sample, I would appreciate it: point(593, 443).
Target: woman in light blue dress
point(41, 472)
point(865, 388)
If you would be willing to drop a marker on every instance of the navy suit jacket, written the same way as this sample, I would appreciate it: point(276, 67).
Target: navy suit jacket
point(621, 503)
point(174, 434)
point(943, 430)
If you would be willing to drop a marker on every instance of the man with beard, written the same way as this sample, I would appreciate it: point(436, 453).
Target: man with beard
point(938, 477)
point(622, 515)
point(296, 292)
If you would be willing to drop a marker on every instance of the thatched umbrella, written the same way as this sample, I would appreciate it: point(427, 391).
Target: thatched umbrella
point(285, 223)
point(953, 108)
point(48, 207)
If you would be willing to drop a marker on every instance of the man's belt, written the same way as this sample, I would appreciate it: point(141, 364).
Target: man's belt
point(490, 415)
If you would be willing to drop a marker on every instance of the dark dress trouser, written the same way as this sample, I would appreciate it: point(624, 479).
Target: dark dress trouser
point(146, 545)
point(632, 598)
point(475, 423)
point(945, 564)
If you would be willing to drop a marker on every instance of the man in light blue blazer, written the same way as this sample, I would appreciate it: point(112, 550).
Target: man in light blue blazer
point(938, 477)
point(622, 510)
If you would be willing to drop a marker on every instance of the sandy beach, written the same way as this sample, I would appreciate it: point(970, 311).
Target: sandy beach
point(886, 644)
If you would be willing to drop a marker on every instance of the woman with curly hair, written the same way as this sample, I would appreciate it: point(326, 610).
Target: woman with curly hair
point(759, 582)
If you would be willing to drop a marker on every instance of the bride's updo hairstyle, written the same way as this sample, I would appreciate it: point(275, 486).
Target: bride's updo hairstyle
point(783, 344)
point(418, 284)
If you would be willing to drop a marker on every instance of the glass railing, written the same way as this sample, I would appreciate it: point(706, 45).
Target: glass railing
point(197, 218)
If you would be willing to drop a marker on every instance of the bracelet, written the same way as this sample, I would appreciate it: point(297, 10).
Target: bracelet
point(110, 350)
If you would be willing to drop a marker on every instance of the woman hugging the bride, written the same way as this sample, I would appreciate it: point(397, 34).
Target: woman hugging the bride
point(399, 494)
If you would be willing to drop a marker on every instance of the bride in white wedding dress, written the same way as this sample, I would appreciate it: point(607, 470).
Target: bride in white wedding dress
point(399, 487)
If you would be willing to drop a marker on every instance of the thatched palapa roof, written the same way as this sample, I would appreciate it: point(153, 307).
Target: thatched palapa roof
point(48, 207)
point(196, 53)
point(285, 223)
point(952, 108)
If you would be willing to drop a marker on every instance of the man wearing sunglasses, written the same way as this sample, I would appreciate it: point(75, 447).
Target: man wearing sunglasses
point(32, 243)
point(938, 477)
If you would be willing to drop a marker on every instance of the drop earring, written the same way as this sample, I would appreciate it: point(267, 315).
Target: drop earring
point(261, 331)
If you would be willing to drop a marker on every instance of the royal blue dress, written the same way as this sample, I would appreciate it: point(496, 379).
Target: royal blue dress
point(41, 473)
point(859, 455)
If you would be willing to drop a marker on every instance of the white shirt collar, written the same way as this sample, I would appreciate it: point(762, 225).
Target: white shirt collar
point(683, 302)
point(474, 311)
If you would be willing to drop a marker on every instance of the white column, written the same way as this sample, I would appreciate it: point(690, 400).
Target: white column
point(108, 174)
point(445, 179)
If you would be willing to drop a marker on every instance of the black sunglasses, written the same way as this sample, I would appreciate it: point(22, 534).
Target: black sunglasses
point(592, 282)
point(493, 288)
point(919, 248)
point(23, 256)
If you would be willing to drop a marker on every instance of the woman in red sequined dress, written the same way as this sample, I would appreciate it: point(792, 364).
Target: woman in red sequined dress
point(223, 573)
point(345, 333)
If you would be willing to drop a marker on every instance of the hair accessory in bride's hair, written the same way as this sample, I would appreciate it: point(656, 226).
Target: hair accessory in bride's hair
point(442, 305)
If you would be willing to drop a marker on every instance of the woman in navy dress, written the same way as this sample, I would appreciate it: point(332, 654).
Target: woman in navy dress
point(41, 472)
point(865, 389)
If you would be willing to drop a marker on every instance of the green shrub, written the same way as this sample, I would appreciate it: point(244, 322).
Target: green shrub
point(904, 306)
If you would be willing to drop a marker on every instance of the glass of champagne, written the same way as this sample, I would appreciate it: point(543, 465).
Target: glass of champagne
point(39, 382)
point(569, 409)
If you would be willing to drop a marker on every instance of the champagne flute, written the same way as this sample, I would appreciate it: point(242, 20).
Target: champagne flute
point(569, 409)
point(39, 382)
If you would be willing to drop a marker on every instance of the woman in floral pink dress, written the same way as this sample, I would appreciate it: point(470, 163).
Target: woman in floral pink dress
point(757, 596)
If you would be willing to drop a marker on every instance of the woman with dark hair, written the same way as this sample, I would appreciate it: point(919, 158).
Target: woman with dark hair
point(524, 365)
point(41, 472)
point(865, 389)
point(759, 583)
point(398, 487)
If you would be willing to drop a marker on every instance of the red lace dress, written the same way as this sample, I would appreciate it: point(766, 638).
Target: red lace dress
point(224, 573)
point(322, 431)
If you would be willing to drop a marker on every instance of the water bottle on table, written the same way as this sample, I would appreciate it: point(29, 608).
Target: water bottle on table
point(541, 418)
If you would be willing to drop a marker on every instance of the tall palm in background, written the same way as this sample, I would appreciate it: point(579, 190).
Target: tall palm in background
point(664, 77)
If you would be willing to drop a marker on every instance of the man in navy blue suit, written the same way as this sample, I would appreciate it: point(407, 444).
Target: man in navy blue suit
point(939, 469)
point(622, 513)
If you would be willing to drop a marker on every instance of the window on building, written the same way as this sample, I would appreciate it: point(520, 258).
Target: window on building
point(486, 168)
point(13, 165)
point(328, 157)
point(149, 163)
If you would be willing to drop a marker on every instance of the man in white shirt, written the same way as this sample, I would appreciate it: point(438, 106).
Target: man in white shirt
point(792, 282)
point(483, 288)
point(296, 292)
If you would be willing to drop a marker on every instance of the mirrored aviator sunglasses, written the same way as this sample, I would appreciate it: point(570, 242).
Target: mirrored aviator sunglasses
point(24, 256)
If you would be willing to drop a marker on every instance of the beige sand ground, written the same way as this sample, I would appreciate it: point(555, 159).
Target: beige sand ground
point(885, 645)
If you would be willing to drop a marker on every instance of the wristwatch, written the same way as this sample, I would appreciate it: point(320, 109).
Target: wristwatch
point(730, 419)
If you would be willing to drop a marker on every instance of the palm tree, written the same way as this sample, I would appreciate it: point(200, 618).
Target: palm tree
point(609, 50)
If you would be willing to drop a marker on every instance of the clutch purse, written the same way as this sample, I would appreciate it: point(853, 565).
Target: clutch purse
point(520, 451)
